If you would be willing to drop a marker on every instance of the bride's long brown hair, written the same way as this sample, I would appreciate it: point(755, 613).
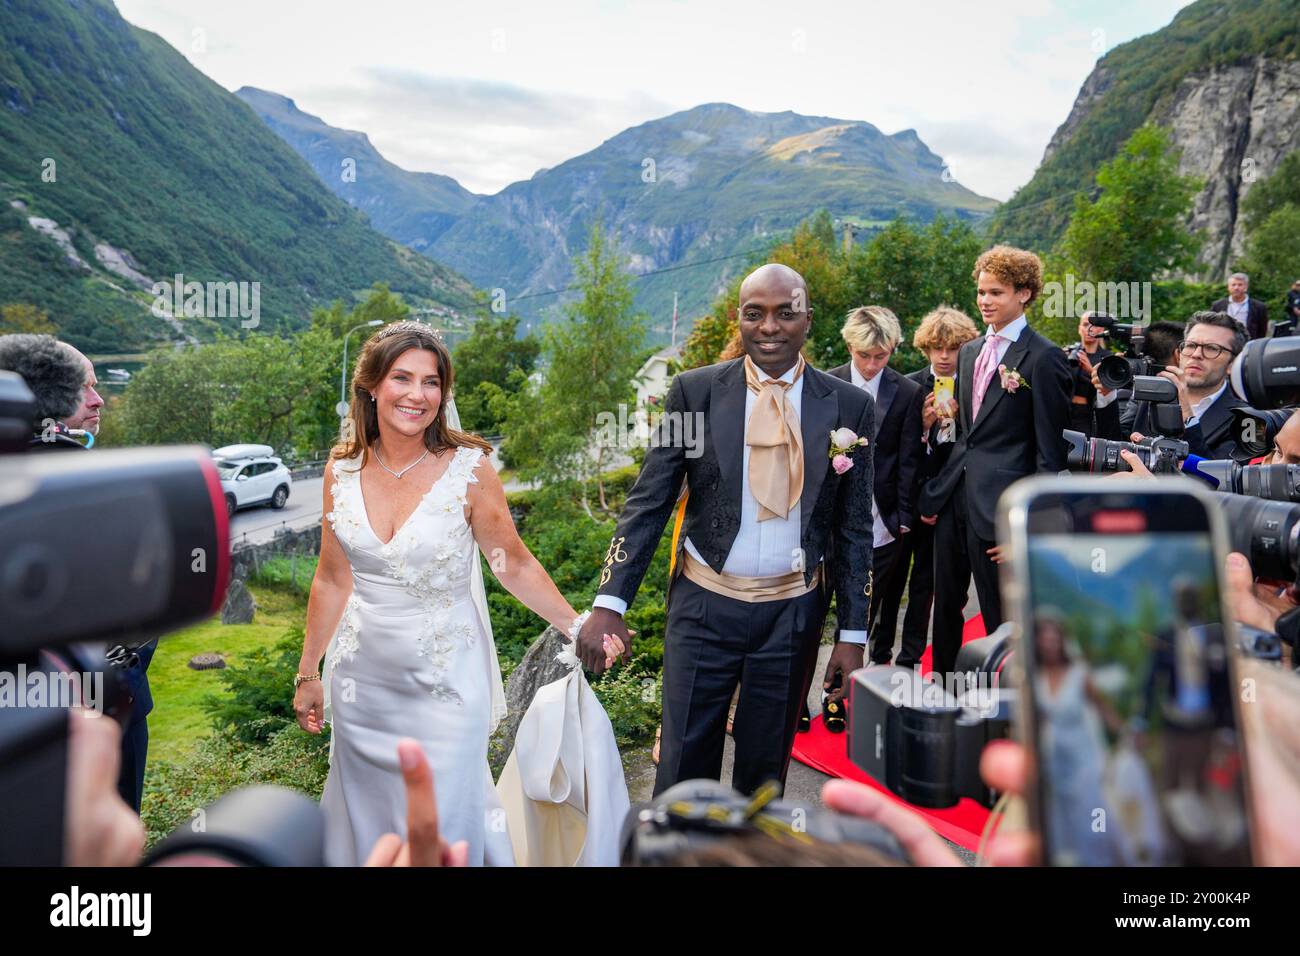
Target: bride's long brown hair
point(376, 359)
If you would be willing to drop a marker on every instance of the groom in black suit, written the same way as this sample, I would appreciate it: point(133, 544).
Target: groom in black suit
point(771, 529)
point(1014, 390)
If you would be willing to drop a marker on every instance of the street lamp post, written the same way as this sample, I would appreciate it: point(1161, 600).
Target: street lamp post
point(342, 406)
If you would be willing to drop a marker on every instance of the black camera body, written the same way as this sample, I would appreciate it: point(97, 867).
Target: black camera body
point(693, 814)
point(99, 553)
point(921, 741)
point(1163, 456)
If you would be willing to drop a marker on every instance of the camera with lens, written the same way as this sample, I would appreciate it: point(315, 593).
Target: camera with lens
point(1278, 482)
point(1267, 373)
point(1118, 371)
point(1254, 431)
point(1163, 456)
point(694, 816)
point(100, 553)
point(923, 741)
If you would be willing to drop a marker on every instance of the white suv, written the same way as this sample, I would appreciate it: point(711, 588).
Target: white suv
point(251, 474)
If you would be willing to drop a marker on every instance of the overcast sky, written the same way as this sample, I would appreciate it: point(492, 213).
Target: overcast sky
point(490, 92)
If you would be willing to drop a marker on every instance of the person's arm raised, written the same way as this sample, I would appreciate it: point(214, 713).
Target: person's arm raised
point(330, 589)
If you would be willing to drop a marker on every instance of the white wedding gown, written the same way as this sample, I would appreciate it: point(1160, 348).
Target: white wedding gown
point(412, 657)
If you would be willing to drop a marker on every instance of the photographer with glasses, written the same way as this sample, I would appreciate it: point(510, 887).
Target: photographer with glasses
point(1213, 340)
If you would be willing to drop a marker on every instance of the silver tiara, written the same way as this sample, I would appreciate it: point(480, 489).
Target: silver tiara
point(407, 325)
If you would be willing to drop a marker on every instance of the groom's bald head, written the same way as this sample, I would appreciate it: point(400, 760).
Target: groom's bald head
point(774, 316)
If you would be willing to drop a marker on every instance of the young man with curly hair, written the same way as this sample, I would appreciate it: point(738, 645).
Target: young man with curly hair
point(1014, 390)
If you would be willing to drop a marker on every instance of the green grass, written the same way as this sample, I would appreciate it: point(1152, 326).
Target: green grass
point(179, 718)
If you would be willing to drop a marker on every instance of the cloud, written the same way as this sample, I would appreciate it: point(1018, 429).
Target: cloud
point(484, 133)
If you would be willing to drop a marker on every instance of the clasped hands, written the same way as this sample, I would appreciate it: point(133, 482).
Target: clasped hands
point(603, 639)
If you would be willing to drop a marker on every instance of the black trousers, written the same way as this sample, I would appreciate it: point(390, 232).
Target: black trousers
point(885, 567)
point(711, 643)
point(952, 574)
point(985, 573)
point(915, 552)
point(135, 750)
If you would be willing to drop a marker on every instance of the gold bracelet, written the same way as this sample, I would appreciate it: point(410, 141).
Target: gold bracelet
point(303, 678)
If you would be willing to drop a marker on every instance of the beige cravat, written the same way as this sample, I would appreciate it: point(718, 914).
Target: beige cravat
point(775, 443)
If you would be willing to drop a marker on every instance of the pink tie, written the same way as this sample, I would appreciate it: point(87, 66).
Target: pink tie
point(985, 366)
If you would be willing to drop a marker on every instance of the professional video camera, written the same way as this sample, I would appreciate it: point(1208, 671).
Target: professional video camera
point(97, 550)
point(1138, 372)
point(1253, 431)
point(1119, 371)
point(1267, 373)
point(1163, 456)
point(923, 741)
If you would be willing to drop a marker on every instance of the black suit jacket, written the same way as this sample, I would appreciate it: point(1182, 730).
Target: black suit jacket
point(1211, 436)
point(898, 446)
point(1016, 434)
point(1256, 315)
point(834, 510)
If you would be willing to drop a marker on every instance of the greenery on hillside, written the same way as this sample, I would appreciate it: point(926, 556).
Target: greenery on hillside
point(1205, 34)
point(110, 132)
point(1272, 211)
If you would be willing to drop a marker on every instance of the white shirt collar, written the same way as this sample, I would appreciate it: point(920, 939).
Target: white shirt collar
point(1011, 331)
point(872, 386)
point(1201, 407)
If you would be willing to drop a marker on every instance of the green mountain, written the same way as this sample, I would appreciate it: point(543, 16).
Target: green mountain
point(1223, 76)
point(121, 164)
point(690, 197)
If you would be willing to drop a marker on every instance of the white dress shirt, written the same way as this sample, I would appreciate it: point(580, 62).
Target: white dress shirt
point(1240, 310)
point(762, 548)
point(1010, 333)
point(881, 533)
point(1203, 406)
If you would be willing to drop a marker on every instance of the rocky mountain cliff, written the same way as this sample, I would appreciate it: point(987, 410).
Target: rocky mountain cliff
point(1224, 77)
point(1233, 124)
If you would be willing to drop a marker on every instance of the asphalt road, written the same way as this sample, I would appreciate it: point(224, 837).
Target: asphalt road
point(259, 523)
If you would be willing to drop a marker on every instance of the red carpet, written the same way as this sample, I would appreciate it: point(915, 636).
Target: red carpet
point(828, 753)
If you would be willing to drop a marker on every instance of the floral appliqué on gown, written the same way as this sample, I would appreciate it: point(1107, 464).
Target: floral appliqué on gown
point(412, 657)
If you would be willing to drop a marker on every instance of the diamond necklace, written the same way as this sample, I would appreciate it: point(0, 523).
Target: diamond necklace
point(399, 474)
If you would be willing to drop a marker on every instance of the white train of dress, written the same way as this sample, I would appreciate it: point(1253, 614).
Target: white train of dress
point(412, 657)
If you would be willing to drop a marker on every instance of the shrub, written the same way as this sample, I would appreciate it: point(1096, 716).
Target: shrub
point(633, 700)
point(223, 762)
point(260, 701)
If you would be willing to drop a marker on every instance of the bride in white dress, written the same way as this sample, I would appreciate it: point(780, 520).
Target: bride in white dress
point(409, 500)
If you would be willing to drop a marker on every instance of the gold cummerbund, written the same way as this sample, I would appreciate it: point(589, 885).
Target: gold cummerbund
point(779, 587)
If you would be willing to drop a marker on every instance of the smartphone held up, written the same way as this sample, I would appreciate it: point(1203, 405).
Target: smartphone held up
point(1129, 699)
